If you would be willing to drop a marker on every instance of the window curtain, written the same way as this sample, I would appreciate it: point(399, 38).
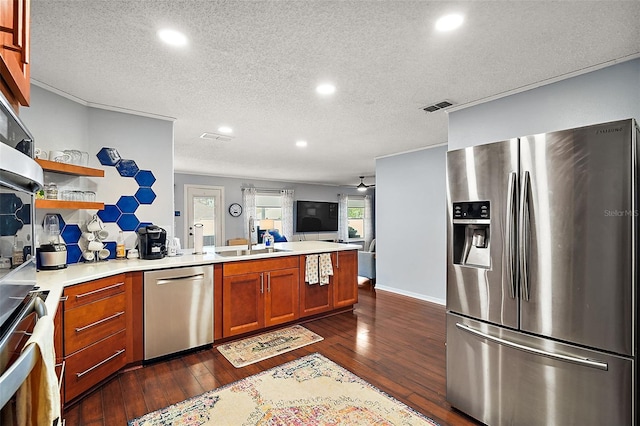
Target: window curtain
point(368, 221)
point(343, 218)
point(249, 207)
point(287, 213)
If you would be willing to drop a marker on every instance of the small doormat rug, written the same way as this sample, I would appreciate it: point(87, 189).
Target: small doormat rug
point(263, 346)
point(308, 391)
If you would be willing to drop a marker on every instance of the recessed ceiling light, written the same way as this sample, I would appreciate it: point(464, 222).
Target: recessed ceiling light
point(172, 37)
point(326, 89)
point(301, 144)
point(225, 129)
point(449, 22)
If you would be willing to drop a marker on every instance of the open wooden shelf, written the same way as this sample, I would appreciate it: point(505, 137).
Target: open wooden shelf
point(63, 204)
point(69, 169)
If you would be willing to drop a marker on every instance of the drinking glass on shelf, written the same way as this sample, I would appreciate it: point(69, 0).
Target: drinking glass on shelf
point(89, 196)
point(84, 158)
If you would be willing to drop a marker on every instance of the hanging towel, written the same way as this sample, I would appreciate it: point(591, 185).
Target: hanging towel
point(311, 274)
point(38, 399)
point(326, 268)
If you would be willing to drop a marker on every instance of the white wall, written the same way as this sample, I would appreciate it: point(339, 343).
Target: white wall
point(234, 226)
point(410, 224)
point(59, 123)
point(609, 94)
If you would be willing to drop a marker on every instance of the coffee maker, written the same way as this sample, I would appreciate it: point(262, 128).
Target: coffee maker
point(152, 242)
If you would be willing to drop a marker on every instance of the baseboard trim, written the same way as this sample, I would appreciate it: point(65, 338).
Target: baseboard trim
point(412, 294)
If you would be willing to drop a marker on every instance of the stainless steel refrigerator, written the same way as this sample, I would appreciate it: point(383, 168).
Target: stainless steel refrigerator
point(542, 278)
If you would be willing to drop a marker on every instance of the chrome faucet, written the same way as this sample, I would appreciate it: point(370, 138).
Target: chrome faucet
point(251, 230)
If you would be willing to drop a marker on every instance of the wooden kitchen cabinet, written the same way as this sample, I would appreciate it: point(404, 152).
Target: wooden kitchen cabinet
point(315, 298)
point(14, 51)
point(95, 333)
point(345, 278)
point(58, 348)
point(258, 294)
point(341, 291)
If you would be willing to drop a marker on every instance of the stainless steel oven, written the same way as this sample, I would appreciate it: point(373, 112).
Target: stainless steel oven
point(20, 178)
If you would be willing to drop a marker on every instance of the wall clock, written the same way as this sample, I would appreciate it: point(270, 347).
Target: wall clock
point(235, 209)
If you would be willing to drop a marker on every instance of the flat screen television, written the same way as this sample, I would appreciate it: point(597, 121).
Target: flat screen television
point(316, 216)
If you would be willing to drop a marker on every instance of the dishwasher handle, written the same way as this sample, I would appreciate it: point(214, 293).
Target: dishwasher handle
point(193, 277)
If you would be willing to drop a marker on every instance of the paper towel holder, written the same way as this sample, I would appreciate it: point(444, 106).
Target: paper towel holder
point(198, 238)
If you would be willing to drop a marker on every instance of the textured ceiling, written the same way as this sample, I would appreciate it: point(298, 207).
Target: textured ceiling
point(253, 65)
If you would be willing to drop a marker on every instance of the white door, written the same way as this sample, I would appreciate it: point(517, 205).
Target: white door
point(203, 204)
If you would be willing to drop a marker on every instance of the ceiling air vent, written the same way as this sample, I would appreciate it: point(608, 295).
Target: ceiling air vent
point(216, 137)
point(437, 106)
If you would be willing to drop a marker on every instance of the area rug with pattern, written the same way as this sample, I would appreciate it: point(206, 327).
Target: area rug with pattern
point(311, 390)
point(266, 345)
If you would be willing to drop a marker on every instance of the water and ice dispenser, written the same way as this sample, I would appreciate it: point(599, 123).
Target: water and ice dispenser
point(472, 234)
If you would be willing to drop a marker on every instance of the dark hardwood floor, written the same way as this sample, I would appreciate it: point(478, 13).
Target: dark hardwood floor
point(394, 342)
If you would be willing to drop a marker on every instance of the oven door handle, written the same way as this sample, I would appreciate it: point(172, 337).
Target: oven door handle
point(17, 373)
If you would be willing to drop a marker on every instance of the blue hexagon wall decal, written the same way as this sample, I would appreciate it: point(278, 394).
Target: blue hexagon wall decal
point(145, 195)
point(109, 214)
point(108, 156)
point(127, 168)
point(128, 222)
point(71, 234)
point(145, 178)
point(11, 203)
point(127, 204)
point(73, 253)
point(24, 214)
point(143, 225)
point(111, 246)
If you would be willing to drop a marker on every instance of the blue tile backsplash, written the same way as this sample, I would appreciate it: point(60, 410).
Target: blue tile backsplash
point(122, 213)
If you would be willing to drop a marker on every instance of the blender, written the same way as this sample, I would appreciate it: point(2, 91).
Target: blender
point(53, 254)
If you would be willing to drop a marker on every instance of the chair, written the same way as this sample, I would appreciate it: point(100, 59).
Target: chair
point(367, 263)
point(237, 242)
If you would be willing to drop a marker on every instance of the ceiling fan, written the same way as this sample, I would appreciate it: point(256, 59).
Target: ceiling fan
point(362, 186)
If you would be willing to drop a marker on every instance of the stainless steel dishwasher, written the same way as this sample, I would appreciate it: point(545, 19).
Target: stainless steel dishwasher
point(178, 310)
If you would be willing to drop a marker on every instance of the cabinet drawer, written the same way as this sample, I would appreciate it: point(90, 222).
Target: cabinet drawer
point(83, 294)
point(89, 366)
point(90, 323)
point(261, 265)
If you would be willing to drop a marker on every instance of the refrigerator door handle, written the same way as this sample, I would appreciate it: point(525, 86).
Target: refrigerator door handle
point(510, 239)
point(523, 236)
point(575, 360)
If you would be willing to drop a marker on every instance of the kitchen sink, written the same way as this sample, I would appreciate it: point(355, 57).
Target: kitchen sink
point(243, 252)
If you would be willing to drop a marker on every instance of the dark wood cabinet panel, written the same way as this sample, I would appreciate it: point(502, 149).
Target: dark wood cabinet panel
point(83, 294)
point(243, 305)
point(281, 296)
point(93, 322)
point(345, 278)
point(14, 50)
point(259, 293)
point(314, 298)
point(95, 363)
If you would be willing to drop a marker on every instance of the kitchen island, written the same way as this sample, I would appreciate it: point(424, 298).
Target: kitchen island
point(100, 322)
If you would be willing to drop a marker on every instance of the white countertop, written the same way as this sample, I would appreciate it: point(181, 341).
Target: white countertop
point(55, 281)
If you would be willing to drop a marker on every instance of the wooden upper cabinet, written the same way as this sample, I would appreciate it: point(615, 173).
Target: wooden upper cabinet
point(14, 52)
point(345, 275)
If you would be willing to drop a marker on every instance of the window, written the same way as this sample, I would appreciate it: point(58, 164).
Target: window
point(269, 210)
point(355, 217)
